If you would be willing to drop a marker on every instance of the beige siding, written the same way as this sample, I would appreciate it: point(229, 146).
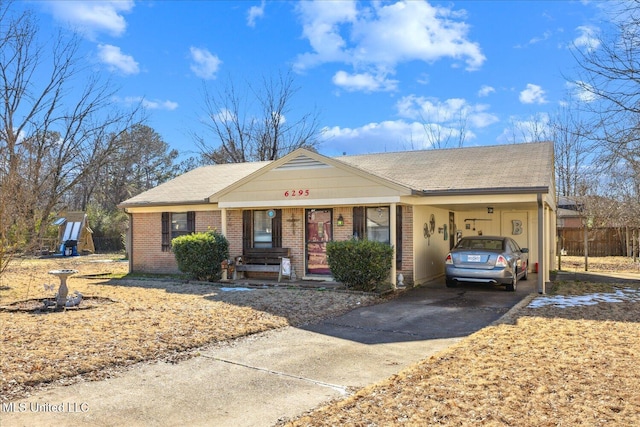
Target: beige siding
point(307, 187)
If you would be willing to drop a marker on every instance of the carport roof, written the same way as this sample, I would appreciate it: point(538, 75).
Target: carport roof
point(507, 168)
point(511, 168)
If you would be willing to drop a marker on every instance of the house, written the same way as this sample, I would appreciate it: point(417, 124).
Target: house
point(421, 202)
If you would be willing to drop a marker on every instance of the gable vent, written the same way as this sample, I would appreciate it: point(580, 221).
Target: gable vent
point(302, 162)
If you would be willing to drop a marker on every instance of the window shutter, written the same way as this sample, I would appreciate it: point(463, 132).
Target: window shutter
point(359, 222)
point(191, 222)
point(166, 232)
point(399, 237)
point(247, 224)
point(276, 226)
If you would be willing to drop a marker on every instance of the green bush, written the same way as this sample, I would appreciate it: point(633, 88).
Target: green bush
point(201, 254)
point(360, 264)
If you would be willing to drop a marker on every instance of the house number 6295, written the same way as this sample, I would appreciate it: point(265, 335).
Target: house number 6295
point(296, 193)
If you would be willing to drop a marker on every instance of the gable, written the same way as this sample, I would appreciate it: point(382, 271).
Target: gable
point(305, 178)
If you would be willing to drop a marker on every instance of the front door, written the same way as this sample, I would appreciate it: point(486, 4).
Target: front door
point(319, 231)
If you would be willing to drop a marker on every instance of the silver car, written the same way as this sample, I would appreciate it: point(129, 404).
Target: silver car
point(487, 259)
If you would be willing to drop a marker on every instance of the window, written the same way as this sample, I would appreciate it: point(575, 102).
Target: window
point(262, 230)
point(176, 224)
point(373, 223)
point(378, 224)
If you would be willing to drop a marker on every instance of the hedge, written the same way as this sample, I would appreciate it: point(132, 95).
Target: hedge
point(201, 254)
point(360, 264)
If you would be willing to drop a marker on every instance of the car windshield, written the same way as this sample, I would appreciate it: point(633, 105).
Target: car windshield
point(492, 244)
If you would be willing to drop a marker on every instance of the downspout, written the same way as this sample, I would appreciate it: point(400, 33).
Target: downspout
point(130, 241)
point(542, 264)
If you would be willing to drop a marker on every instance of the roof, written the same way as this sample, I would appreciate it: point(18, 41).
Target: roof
point(513, 167)
point(194, 186)
point(485, 169)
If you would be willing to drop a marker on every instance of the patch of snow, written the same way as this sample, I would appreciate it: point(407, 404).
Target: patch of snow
point(561, 301)
point(235, 289)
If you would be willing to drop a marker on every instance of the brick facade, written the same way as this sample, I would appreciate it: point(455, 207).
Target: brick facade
point(148, 257)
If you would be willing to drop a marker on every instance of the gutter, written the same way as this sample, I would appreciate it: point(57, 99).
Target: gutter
point(152, 204)
point(481, 191)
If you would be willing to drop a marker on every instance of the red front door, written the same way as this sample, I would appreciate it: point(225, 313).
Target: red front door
point(319, 231)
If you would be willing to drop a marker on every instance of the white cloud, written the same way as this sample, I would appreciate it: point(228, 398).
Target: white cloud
point(363, 82)
point(390, 135)
point(384, 35)
point(254, 13)
point(160, 105)
point(587, 38)
point(92, 17)
point(205, 64)
point(582, 91)
point(149, 104)
point(534, 128)
point(485, 90)
point(451, 112)
point(533, 94)
point(116, 60)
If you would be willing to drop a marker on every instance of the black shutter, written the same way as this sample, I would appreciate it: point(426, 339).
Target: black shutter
point(399, 237)
point(276, 226)
point(247, 227)
point(191, 222)
point(166, 232)
point(359, 222)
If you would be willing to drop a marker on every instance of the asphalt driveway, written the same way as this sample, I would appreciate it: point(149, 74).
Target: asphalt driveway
point(262, 379)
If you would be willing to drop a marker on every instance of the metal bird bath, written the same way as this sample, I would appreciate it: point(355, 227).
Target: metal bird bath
point(63, 291)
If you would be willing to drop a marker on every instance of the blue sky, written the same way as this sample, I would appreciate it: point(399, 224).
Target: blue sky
point(377, 72)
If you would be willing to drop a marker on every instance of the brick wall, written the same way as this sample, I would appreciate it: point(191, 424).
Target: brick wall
point(407, 245)
point(147, 255)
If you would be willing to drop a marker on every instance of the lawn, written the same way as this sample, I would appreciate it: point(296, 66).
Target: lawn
point(569, 358)
point(125, 320)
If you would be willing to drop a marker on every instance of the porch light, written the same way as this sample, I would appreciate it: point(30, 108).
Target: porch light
point(340, 220)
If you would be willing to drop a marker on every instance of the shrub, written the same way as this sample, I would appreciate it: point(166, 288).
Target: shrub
point(360, 264)
point(201, 254)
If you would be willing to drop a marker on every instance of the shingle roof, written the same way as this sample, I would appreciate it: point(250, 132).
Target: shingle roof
point(509, 168)
point(515, 166)
point(194, 186)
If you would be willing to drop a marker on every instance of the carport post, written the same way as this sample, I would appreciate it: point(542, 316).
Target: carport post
point(541, 244)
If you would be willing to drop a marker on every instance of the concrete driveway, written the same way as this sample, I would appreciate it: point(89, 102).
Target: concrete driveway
point(266, 378)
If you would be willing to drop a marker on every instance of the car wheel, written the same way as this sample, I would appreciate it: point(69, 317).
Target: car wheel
point(450, 283)
point(511, 287)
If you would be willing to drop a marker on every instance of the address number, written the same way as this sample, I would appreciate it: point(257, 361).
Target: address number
point(296, 193)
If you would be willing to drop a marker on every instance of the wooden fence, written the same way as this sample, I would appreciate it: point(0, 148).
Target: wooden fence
point(601, 241)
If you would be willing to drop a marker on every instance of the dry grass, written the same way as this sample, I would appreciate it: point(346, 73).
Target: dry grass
point(139, 320)
point(600, 264)
point(547, 366)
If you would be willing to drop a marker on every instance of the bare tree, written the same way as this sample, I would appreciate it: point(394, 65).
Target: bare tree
point(441, 131)
point(609, 76)
point(257, 124)
point(55, 128)
point(140, 161)
point(573, 151)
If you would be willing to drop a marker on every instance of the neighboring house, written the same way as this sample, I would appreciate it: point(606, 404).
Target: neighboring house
point(419, 201)
point(607, 239)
